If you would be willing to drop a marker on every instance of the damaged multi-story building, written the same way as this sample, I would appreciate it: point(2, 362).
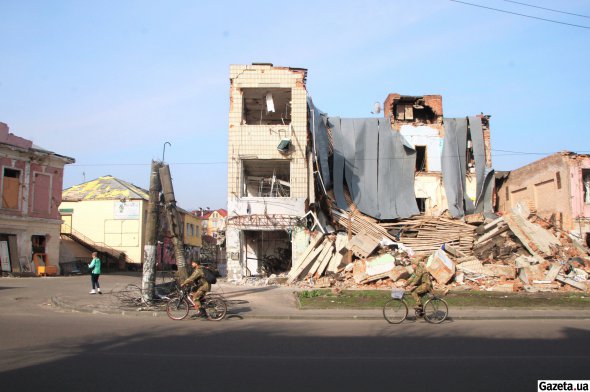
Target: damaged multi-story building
point(290, 165)
point(557, 187)
point(30, 185)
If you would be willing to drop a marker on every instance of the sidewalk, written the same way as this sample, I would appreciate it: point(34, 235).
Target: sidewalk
point(248, 302)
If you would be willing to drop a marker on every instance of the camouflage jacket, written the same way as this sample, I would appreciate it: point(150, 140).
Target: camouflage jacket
point(420, 276)
point(198, 276)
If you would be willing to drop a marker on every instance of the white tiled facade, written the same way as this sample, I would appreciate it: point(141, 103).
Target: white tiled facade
point(260, 142)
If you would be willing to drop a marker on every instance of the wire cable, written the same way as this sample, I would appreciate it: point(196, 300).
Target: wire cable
point(523, 15)
point(547, 9)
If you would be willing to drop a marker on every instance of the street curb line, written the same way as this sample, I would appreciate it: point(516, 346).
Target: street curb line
point(61, 304)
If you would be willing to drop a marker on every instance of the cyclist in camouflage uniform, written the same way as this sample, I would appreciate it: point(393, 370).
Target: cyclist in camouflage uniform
point(203, 287)
point(419, 283)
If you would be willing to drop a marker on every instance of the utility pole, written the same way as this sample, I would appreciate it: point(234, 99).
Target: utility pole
point(173, 221)
point(151, 235)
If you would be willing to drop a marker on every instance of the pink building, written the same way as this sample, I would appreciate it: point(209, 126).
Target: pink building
point(557, 187)
point(30, 185)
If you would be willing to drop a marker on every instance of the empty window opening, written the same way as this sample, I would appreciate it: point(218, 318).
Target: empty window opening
point(470, 156)
point(10, 188)
point(266, 178)
point(267, 252)
point(266, 106)
point(413, 110)
point(421, 159)
point(586, 185)
point(38, 243)
point(588, 239)
point(421, 202)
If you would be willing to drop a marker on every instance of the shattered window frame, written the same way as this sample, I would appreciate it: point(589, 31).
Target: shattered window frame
point(266, 178)
point(266, 105)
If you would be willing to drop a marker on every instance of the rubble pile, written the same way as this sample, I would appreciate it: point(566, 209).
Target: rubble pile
point(518, 251)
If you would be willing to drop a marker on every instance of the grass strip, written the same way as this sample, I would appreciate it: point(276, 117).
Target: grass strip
point(370, 299)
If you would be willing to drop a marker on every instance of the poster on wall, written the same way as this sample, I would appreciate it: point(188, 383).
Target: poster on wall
point(4, 256)
point(126, 210)
point(25, 264)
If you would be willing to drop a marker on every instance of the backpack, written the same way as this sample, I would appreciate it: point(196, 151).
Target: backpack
point(209, 276)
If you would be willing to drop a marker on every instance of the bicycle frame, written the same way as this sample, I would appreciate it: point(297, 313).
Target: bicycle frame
point(433, 308)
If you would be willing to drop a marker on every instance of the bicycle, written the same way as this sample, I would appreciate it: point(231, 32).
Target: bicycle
point(132, 296)
point(214, 306)
point(435, 309)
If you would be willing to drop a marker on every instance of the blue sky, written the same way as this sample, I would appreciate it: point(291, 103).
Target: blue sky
point(109, 82)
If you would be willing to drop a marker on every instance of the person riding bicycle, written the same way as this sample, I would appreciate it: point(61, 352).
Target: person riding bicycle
point(419, 283)
point(203, 287)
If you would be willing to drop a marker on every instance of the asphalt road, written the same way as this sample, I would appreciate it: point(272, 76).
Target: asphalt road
point(43, 348)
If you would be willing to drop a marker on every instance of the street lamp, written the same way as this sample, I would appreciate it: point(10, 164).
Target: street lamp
point(164, 150)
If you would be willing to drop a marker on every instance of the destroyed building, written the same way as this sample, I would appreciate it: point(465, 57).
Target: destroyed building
point(420, 120)
point(31, 183)
point(557, 187)
point(270, 184)
point(294, 171)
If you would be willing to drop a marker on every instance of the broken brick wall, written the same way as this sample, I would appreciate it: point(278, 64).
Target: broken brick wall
point(543, 186)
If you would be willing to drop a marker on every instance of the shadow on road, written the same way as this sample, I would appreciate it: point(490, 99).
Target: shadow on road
point(270, 357)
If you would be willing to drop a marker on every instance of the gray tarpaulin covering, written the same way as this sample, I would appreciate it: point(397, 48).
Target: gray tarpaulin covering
point(377, 165)
point(454, 167)
point(320, 137)
point(484, 175)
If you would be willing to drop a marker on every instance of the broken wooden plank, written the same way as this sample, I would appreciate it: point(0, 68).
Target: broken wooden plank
point(312, 245)
point(341, 241)
point(497, 231)
point(453, 251)
point(327, 246)
point(295, 273)
point(326, 259)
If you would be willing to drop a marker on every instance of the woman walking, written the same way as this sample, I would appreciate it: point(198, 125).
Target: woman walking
point(95, 273)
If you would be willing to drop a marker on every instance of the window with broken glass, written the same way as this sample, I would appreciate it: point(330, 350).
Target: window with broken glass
point(266, 106)
point(266, 178)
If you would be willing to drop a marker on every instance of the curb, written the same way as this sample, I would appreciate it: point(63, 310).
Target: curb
point(58, 302)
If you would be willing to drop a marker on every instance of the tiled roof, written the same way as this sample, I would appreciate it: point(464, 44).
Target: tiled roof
point(221, 211)
point(104, 188)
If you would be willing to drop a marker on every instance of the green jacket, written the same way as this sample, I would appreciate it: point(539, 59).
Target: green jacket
point(95, 266)
point(420, 276)
point(198, 276)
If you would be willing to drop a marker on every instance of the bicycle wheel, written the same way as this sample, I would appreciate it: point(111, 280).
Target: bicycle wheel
point(215, 308)
point(436, 310)
point(177, 308)
point(395, 311)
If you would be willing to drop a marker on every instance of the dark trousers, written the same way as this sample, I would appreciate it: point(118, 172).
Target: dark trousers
point(94, 278)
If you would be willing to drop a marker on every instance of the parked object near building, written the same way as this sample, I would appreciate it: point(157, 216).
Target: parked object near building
point(108, 215)
point(31, 192)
